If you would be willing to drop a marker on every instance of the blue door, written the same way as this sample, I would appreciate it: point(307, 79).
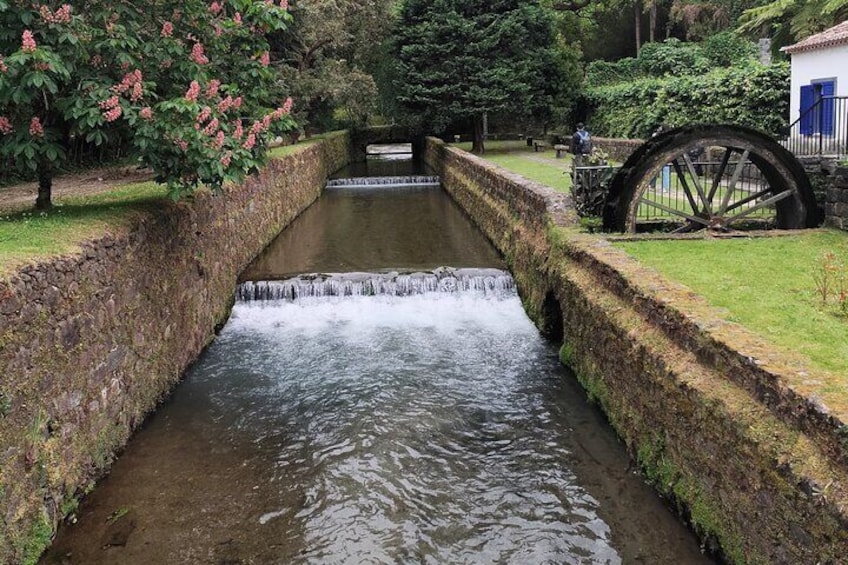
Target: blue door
point(818, 108)
point(828, 89)
point(808, 99)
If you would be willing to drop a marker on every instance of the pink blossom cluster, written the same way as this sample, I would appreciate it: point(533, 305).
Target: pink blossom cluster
point(197, 54)
point(219, 140)
point(225, 104)
point(204, 115)
point(167, 29)
point(111, 109)
point(132, 83)
point(216, 7)
point(211, 128)
point(237, 18)
point(238, 130)
point(5, 125)
point(182, 144)
point(284, 4)
point(285, 110)
point(225, 160)
point(249, 142)
point(35, 127)
point(212, 88)
point(60, 16)
point(193, 91)
point(265, 59)
point(3, 67)
point(42, 66)
point(96, 61)
point(146, 113)
point(28, 44)
point(277, 114)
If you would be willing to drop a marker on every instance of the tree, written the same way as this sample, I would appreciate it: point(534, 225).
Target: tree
point(330, 53)
point(188, 82)
point(792, 20)
point(461, 59)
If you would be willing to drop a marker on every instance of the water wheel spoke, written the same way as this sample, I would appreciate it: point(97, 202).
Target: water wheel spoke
point(740, 166)
point(749, 198)
point(764, 204)
point(682, 178)
point(720, 173)
point(686, 228)
point(696, 182)
point(674, 211)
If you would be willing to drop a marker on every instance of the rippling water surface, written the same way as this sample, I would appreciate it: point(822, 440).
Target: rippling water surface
point(423, 428)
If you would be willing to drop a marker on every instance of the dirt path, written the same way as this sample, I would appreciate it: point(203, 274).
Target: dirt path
point(19, 197)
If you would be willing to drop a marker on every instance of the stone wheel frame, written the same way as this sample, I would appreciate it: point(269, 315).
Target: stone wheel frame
point(787, 187)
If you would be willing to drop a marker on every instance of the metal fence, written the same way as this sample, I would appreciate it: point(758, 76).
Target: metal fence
point(822, 130)
point(735, 188)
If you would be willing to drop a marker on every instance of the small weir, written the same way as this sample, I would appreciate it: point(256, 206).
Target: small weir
point(383, 182)
point(382, 409)
point(488, 282)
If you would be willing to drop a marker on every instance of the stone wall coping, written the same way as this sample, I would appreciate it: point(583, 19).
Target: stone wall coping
point(800, 395)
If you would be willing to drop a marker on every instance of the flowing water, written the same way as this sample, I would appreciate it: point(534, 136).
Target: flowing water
point(411, 414)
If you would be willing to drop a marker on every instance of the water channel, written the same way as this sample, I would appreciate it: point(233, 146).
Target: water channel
point(409, 415)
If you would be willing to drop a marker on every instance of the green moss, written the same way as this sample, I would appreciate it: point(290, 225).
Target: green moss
point(69, 506)
point(659, 470)
point(118, 514)
point(566, 354)
point(708, 521)
point(37, 540)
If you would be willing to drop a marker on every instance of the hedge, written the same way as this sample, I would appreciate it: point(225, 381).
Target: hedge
point(753, 95)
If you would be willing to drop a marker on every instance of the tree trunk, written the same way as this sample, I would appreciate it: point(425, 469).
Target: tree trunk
point(477, 146)
point(45, 186)
point(653, 21)
point(637, 21)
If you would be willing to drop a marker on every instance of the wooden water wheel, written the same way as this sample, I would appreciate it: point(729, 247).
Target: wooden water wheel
point(710, 177)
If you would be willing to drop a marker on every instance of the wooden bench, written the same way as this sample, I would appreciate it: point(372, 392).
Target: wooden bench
point(560, 149)
point(539, 146)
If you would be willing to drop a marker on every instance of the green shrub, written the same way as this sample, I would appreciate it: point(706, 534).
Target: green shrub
point(672, 57)
point(599, 73)
point(752, 94)
point(727, 49)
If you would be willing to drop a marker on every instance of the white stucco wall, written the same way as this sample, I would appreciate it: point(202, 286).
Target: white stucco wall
point(811, 66)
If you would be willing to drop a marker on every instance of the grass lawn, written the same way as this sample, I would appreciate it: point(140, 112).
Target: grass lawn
point(767, 284)
point(542, 167)
point(34, 235)
point(26, 236)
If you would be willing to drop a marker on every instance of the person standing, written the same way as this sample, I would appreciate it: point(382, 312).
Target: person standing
point(581, 143)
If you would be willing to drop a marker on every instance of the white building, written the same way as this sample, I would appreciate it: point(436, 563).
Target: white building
point(819, 98)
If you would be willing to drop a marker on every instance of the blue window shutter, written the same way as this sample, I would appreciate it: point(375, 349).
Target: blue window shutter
point(808, 98)
point(827, 107)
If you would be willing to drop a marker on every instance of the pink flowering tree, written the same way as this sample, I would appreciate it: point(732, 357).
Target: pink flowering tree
point(191, 83)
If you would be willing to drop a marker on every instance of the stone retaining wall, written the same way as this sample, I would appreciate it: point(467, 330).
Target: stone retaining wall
point(747, 442)
point(836, 202)
point(91, 342)
point(618, 149)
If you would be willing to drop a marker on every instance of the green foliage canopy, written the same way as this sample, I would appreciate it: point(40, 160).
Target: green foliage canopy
point(459, 59)
point(754, 95)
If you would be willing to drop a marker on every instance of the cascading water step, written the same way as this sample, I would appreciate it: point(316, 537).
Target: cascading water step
point(365, 182)
point(487, 282)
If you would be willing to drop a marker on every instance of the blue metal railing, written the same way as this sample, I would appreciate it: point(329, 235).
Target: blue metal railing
point(822, 130)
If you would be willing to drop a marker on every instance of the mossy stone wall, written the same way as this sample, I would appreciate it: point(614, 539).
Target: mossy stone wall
point(90, 343)
point(836, 201)
point(718, 423)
